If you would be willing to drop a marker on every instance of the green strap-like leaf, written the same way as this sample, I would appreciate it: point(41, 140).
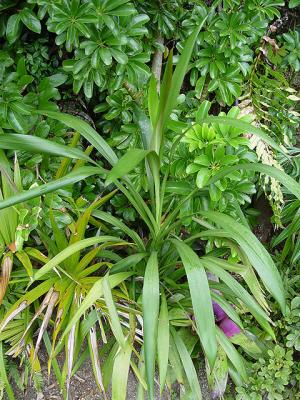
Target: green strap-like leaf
point(163, 341)
point(150, 314)
point(232, 353)
point(188, 366)
point(120, 372)
point(113, 313)
point(36, 144)
point(67, 252)
point(201, 299)
point(86, 131)
point(115, 222)
point(215, 267)
point(179, 73)
point(255, 251)
point(93, 295)
point(3, 375)
point(127, 262)
point(73, 177)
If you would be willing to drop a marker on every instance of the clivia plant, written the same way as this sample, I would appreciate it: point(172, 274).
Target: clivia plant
point(156, 290)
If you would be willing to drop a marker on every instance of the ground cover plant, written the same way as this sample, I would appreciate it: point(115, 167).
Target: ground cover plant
point(149, 196)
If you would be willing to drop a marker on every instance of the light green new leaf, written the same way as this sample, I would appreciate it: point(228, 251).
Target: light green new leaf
point(201, 299)
point(73, 177)
point(67, 252)
point(86, 131)
point(188, 366)
point(163, 341)
point(287, 181)
point(255, 251)
point(150, 314)
point(113, 313)
point(36, 144)
point(128, 162)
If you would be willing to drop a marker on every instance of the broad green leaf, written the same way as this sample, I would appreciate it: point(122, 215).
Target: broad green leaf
point(144, 124)
point(30, 20)
point(150, 316)
point(13, 28)
point(255, 251)
point(201, 299)
point(120, 372)
point(157, 131)
point(86, 131)
point(73, 177)
point(128, 162)
point(36, 144)
point(188, 366)
point(67, 252)
point(163, 342)
point(113, 313)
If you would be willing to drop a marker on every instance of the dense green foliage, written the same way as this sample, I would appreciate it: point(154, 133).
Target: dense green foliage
point(137, 140)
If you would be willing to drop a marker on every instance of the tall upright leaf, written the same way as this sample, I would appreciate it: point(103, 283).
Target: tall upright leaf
point(150, 314)
point(201, 299)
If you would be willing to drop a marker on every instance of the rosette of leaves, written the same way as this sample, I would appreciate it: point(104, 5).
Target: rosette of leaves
point(105, 56)
point(265, 8)
point(215, 147)
point(164, 16)
point(291, 42)
point(210, 163)
point(223, 49)
point(71, 20)
point(227, 86)
point(233, 29)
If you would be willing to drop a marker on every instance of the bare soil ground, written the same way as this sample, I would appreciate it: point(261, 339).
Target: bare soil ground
point(83, 386)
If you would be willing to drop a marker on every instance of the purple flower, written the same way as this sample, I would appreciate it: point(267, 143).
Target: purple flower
point(229, 327)
point(219, 312)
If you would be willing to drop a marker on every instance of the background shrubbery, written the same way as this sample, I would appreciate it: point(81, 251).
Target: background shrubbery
point(140, 144)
